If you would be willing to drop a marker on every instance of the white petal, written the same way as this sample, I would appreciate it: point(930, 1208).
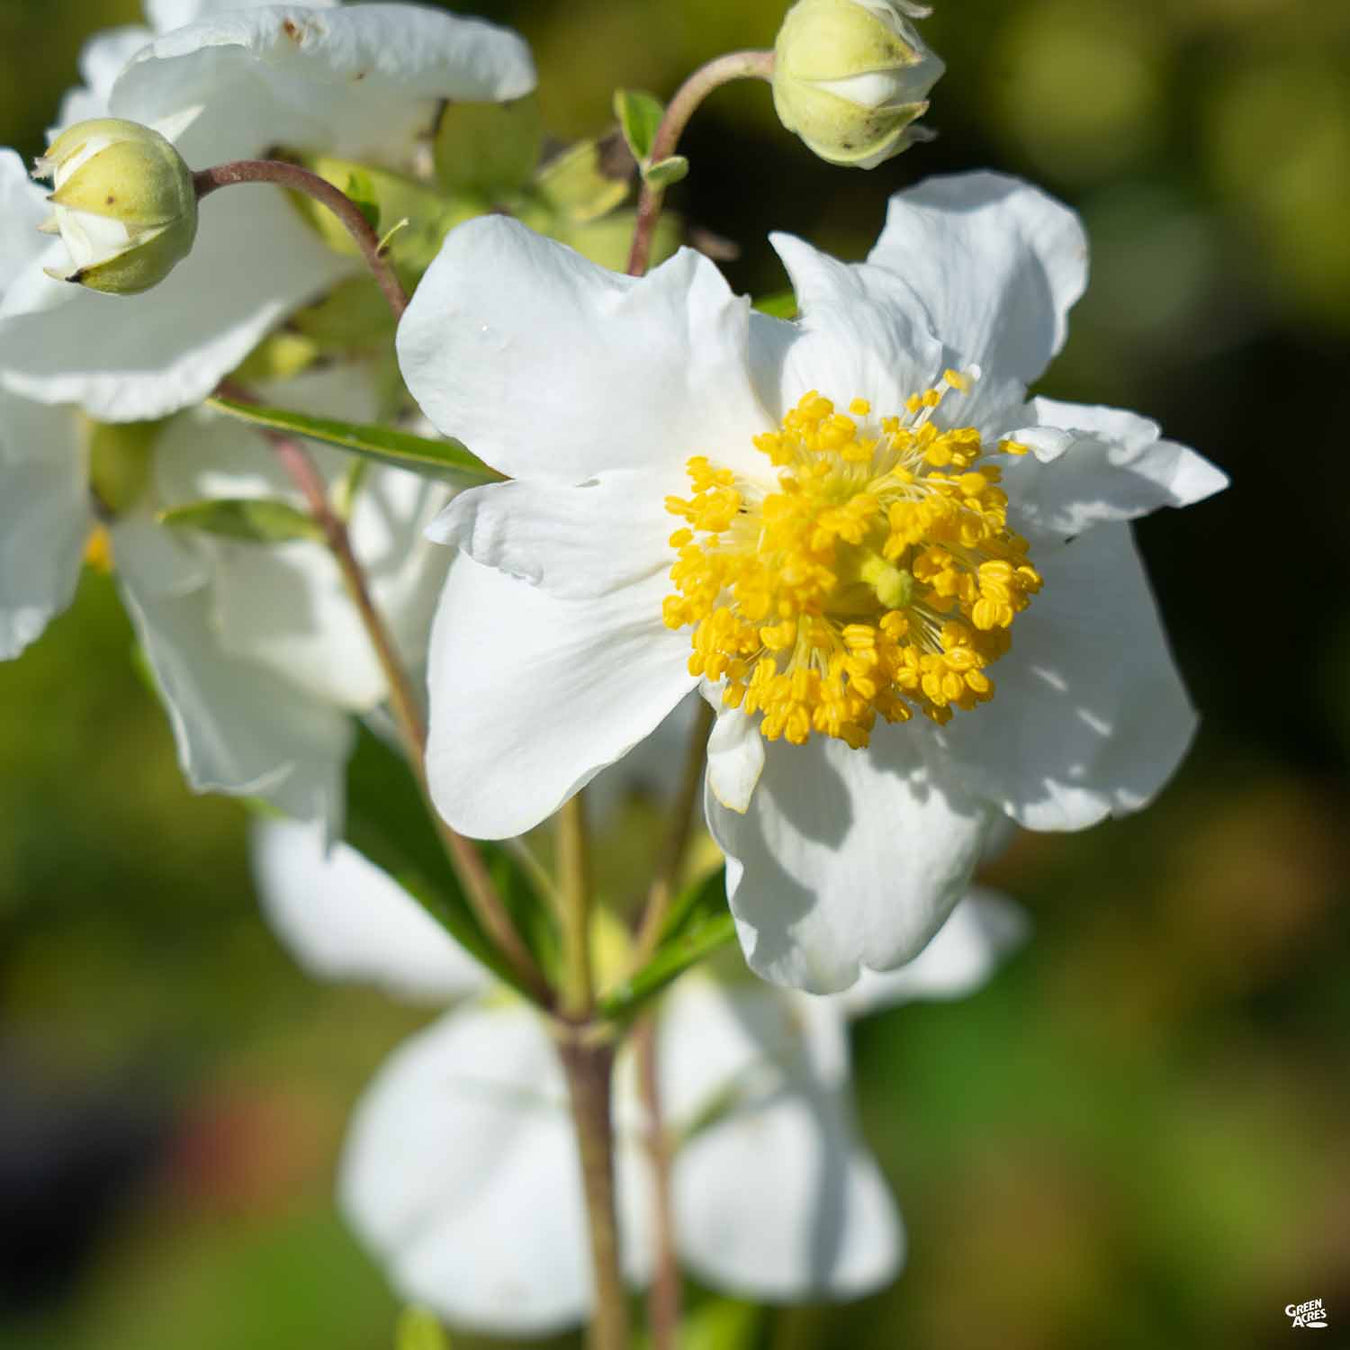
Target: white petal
point(1095, 464)
point(139, 358)
point(982, 929)
point(166, 15)
point(997, 262)
point(342, 918)
point(23, 207)
point(735, 758)
point(610, 531)
point(776, 1199)
point(461, 1174)
point(863, 333)
point(239, 728)
point(102, 60)
point(846, 858)
point(352, 82)
point(653, 769)
point(550, 366)
point(532, 696)
point(1090, 717)
point(44, 517)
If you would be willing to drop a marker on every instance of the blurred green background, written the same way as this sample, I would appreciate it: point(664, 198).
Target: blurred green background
point(1137, 1136)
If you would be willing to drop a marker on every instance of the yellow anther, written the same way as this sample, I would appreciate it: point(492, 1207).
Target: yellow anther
point(880, 579)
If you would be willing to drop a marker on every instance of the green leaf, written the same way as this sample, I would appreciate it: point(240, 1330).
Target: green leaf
point(781, 305)
point(666, 171)
point(640, 116)
point(489, 148)
point(443, 459)
point(388, 822)
point(699, 924)
point(418, 1329)
point(583, 183)
point(256, 520)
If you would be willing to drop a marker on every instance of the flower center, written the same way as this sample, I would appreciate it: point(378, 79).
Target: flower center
point(880, 578)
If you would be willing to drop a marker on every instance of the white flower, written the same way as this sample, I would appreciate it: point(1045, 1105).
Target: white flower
point(259, 653)
point(44, 492)
point(550, 655)
point(460, 1169)
point(358, 82)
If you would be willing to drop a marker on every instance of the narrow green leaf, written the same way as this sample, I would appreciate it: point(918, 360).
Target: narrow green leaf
point(256, 520)
point(699, 925)
point(640, 118)
point(418, 1329)
point(781, 305)
point(441, 459)
point(387, 821)
point(666, 171)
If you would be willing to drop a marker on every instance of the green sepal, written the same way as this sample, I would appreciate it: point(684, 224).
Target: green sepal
point(388, 822)
point(439, 459)
point(418, 1329)
point(666, 172)
point(255, 520)
point(640, 116)
point(699, 924)
point(490, 149)
point(584, 182)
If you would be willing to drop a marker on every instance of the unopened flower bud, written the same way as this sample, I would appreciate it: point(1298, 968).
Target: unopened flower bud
point(851, 76)
point(124, 204)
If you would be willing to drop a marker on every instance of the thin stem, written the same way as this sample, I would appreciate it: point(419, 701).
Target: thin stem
point(663, 1298)
point(722, 70)
point(670, 861)
point(468, 863)
point(574, 887)
point(589, 1070)
point(295, 178)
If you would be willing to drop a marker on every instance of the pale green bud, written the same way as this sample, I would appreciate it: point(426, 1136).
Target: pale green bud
point(851, 76)
point(124, 204)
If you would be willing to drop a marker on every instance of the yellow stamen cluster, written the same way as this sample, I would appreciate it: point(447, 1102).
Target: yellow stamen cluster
point(879, 579)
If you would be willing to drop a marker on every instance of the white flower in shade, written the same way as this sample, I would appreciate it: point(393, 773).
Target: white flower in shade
point(460, 1169)
point(361, 82)
point(881, 531)
point(258, 651)
point(44, 490)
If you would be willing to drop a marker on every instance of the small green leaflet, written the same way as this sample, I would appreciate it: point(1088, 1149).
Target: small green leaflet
point(781, 305)
point(640, 117)
point(440, 459)
point(256, 520)
point(666, 171)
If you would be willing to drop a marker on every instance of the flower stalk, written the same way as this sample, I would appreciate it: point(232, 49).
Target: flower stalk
point(757, 65)
point(296, 179)
point(588, 1064)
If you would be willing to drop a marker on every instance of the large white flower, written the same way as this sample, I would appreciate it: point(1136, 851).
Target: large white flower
point(237, 80)
point(460, 1169)
point(844, 560)
point(258, 650)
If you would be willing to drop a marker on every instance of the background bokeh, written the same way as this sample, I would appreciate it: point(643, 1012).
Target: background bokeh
point(1137, 1135)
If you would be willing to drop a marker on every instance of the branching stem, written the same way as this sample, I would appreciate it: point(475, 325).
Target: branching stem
point(295, 178)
